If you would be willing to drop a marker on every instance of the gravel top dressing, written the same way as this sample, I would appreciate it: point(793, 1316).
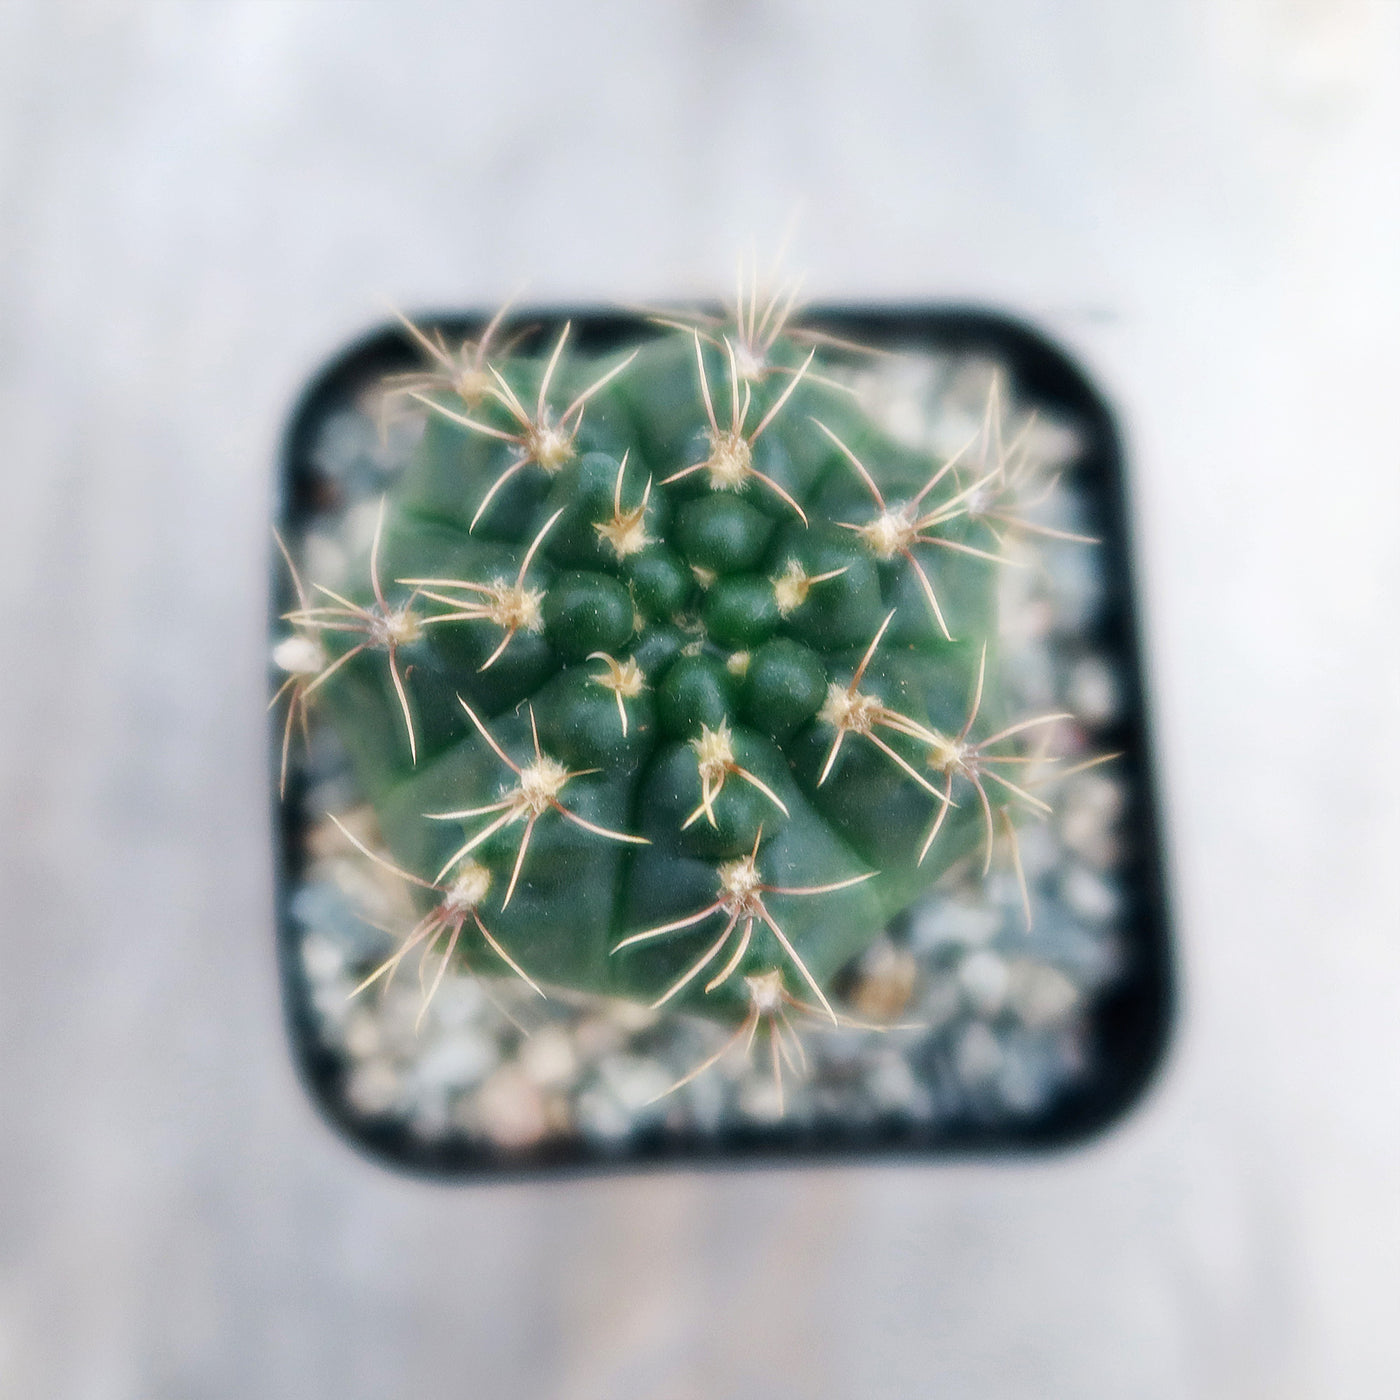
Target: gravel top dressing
point(1023, 1008)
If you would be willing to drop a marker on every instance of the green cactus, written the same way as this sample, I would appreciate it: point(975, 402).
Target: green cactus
point(672, 677)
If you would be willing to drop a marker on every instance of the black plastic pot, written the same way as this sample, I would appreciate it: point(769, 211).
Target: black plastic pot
point(1127, 1026)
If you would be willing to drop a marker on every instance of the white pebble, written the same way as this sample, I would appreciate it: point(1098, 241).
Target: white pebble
point(322, 959)
point(600, 1116)
point(361, 1034)
point(1088, 895)
point(1092, 691)
point(510, 1110)
point(706, 1100)
point(1041, 995)
point(325, 559)
point(939, 922)
point(457, 1061)
point(892, 1084)
point(1023, 1082)
point(1089, 816)
point(632, 1016)
point(458, 1001)
point(635, 1082)
point(760, 1099)
point(373, 1088)
point(596, 1036)
point(978, 1054)
point(1077, 584)
point(548, 1058)
point(939, 1003)
point(332, 1004)
point(984, 977)
point(1039, 850)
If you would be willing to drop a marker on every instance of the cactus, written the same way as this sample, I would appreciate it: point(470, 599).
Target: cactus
point(671, 676)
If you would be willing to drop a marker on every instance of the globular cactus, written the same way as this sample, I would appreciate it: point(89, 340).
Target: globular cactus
point(672, 676)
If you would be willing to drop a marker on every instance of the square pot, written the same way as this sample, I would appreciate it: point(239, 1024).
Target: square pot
point(1015, 1039)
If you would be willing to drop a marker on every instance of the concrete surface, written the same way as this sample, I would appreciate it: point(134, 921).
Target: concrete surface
point(198, 200)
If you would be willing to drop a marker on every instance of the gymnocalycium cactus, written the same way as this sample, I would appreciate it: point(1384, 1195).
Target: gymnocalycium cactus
point(671, 676)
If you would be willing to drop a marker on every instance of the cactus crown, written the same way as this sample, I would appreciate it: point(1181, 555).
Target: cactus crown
point(673, 676)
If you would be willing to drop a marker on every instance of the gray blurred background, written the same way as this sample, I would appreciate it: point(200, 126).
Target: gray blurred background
point(198, 201)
